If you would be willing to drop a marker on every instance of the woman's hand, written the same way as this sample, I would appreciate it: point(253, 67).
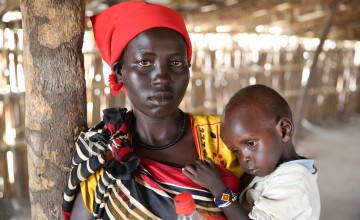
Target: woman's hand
point(205, 174)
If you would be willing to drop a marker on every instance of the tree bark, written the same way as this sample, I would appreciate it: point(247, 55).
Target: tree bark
point(55, 97)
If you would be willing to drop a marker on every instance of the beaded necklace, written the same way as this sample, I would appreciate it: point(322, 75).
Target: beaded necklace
point(178, 137)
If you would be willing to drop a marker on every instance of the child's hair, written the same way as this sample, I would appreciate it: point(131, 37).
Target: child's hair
point(272, 104)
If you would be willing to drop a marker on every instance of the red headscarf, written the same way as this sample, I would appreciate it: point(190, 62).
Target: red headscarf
point(115, 27)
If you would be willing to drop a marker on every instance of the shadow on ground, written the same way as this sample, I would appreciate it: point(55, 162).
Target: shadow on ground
point(335, 146)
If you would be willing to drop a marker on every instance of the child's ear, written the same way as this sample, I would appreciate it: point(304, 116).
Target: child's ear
point(286, 129)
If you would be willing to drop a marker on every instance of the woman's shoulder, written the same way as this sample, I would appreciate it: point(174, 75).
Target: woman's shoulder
point(90, 155)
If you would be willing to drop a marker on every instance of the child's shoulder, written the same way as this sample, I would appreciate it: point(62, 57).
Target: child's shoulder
point(302, 165)
point(293, 174)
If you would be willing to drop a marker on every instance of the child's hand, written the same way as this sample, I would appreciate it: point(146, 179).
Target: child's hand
point(205, 174)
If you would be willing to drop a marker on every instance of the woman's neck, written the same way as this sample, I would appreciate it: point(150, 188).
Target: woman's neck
point(158, 131)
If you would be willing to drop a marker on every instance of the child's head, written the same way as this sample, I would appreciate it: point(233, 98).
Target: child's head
point(257, 126)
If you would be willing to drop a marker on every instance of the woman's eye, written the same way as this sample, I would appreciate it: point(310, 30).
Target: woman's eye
point(251, 143)
point(177, 63)
point(143, 63)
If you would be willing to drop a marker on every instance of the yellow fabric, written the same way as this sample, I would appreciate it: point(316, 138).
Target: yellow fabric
point(206, 132)
point(88, 186)
point(88, 189)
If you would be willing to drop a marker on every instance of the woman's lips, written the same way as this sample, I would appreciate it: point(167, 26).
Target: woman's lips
point(161, 97)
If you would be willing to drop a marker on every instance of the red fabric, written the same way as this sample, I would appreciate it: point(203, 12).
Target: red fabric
point(115, 86)
point(121, 152)
point(115, 27)
point(66, 215)
point(174, 176)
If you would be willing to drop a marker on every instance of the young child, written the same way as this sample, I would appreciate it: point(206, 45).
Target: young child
point(257, 125)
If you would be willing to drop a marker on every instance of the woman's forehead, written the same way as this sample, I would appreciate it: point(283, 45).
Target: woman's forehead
point(158, 33)
point(157, 38)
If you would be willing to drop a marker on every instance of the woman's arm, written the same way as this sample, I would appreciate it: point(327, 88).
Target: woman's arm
point(79, 210)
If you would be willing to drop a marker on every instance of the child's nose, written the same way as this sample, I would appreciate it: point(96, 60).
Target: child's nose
point(246, 155)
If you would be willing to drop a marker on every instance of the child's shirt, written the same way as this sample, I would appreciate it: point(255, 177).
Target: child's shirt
point(289, 192)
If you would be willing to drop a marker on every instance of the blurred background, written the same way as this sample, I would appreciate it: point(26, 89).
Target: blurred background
point(235, 43)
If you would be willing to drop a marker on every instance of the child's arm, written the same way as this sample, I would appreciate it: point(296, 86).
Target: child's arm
point(205, 174)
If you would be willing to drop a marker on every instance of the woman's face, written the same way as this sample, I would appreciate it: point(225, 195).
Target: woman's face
point(156, 72)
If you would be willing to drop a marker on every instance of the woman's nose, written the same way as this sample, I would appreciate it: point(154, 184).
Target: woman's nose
point(161, 74)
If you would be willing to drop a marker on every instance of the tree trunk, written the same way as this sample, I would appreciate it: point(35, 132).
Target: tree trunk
point(55, 97)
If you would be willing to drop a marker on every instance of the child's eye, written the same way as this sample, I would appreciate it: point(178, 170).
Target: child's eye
point(235, 151)
point(143, 63)
point(251, 143)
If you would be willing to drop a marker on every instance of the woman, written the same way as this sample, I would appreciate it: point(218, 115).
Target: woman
point(129, 165)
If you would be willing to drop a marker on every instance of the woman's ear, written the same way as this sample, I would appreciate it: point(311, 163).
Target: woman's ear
point(117, 66)
point(119, 77)
point(286, 129)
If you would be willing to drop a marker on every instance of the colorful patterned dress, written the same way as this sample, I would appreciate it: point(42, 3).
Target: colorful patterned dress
point(117, 184)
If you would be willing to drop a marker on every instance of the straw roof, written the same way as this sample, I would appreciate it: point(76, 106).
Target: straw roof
point(291, 17)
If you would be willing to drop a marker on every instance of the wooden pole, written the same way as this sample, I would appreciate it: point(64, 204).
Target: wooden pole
point(55, 98)
point(299, 111)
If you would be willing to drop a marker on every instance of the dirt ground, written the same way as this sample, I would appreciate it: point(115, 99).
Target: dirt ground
point(335, 146)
